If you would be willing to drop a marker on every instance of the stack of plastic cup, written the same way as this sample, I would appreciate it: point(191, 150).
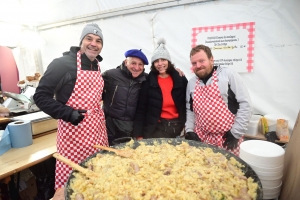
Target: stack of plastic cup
point(266, 159)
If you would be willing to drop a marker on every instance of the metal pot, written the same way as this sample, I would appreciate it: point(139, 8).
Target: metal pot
point(247, 170)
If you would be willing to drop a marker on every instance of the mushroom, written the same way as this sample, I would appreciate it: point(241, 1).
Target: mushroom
point(168, 171)
point(79, 196)
point(135, 167)
point(234, 172)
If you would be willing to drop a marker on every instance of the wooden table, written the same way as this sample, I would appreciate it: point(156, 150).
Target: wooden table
point(18, 159)
point(260, 136)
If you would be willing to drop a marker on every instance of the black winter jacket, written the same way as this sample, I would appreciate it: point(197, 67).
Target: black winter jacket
point(59, 81)
point(121, 93)
point(150, 103)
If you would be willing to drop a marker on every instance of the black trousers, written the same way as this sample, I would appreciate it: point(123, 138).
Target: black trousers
point(168, 128)
point(117, 129)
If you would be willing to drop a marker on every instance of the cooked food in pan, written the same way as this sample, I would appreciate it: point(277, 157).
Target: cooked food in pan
point(164, 171)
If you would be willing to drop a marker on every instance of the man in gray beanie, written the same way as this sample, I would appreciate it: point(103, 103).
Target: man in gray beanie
point(91, 28)
point(76, 82)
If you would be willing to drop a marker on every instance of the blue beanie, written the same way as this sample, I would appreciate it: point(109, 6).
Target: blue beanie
point(137, 53)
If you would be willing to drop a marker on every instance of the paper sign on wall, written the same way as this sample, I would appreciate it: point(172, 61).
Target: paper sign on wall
point(232, 45)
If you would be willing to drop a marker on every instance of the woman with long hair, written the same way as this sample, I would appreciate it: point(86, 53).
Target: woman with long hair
point(161, 111)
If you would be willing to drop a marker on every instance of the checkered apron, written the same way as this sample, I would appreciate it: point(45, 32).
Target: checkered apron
point(76, 142)
point(213, 119)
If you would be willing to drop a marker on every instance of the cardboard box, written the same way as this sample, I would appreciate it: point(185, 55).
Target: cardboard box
point(43, 126)
point(40, 122)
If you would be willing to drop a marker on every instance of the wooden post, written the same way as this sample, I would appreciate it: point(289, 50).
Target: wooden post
point(291, 172)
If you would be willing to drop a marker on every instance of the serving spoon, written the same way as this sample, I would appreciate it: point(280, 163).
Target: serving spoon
point(85, 171)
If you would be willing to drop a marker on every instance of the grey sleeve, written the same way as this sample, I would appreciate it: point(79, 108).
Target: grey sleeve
point(244, 112)
point(190, 116)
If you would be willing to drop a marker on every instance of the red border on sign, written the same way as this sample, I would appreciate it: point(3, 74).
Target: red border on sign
point(250, 26)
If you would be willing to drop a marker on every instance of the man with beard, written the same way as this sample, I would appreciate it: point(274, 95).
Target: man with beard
point(217, 102)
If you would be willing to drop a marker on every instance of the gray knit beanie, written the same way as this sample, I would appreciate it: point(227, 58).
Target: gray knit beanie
point(161, 51)
point(91, 28)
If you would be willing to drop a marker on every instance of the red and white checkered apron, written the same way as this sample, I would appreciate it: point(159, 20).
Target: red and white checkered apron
point(76, 142)
point(213, 118)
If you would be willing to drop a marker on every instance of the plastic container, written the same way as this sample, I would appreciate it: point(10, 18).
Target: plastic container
point(272, 120)
point(260, 162)
point(254, 126)
point(262, 153)
point(264, 169)
point(273, 189)
point(271, 193)
point(271, 183)
point(269, 175)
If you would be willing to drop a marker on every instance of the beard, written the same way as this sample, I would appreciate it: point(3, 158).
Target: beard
point(201, 74)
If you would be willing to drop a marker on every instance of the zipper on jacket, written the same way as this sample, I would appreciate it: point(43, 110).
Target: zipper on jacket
point(112, 100)
point(129, 91)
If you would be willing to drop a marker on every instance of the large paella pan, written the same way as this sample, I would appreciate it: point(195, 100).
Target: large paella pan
point(244, 167)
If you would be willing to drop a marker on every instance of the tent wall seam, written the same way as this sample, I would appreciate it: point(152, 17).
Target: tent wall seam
point(122, 11)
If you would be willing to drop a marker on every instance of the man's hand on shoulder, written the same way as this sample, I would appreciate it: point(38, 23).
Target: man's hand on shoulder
point(181, 73)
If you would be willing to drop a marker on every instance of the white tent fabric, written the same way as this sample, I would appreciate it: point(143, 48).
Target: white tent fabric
point(272, 84)
point(34, 13)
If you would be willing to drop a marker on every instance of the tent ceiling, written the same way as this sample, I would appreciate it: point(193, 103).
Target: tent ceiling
point(45, 14)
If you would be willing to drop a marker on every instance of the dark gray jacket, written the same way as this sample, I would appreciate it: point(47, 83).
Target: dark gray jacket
point(59, 81)
point(121, 93)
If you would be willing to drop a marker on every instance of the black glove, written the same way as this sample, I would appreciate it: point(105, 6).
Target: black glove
point(230, 141)
point(192, 136)
point(271, 136)
point(76, 117)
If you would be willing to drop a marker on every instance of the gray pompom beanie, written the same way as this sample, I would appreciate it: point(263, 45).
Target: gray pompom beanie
point(91, 28)
point(161, 51)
